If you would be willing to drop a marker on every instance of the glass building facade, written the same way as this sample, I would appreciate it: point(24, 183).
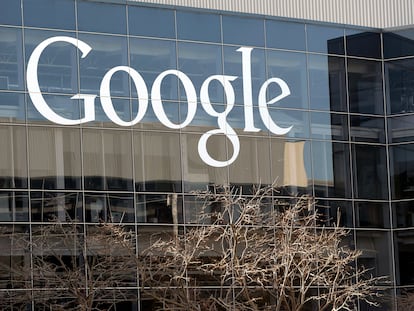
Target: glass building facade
point(350, 109)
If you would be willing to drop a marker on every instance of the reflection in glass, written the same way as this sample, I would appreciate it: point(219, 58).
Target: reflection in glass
point(54, 158)
point(285, 35)
point(400, 85)
point(400, 129)
point(10, 12)
point(14, 206)
point(365, 86)
point(107, 158)
point(13, 161)
point(325, 39)
point(372, 215)
point(329, 126)
point(151, 22)
point(398, 43)
point(12, 107)
point(402, 171)
point(370, 172)
point(367, 129)
point(198, 26)
point(298, 119)
point(109, 207)
point(49, 13)
point(157, 161)
point(327, 83)
point(404, 253)
point(291, 68)
point(243, 31)
point(57, 70)
point(331, 169)
point(11, 54)
point(363, 43)
point(335, 213)
point(56, 206)
point(159, 208)
point(403, 214)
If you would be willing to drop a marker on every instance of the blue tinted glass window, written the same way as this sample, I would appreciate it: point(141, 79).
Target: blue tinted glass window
point(329, 126)
point(291, 68)
point(401, 128)
point(299, 120)
point(327, 82)
point(57, 70)
point(285, 35)
point(151, 22)
point(11, 51)
point(363, 43)
point(198, 26)
point(49, 13)
point(325, 39)
point(243, 31)
point(101, 17)
point(10, 12)
point(398, 43)
point(12, 107)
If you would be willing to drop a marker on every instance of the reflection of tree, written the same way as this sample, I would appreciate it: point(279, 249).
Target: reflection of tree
point(250, 253)
point(405, 301)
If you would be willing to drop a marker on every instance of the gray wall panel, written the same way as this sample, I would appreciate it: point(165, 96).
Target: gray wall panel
point(371, 13)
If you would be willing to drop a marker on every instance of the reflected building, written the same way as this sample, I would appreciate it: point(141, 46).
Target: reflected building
point(350, 108)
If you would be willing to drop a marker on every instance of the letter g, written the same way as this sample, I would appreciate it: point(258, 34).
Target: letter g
point(34, 89)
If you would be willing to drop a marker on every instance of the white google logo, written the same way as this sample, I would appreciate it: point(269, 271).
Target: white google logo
point(225, 80)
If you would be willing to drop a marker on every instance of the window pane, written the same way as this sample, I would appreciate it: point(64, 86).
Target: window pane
point(372, 215)
point(331, 169)
point(299, 120)
point(291, 68)
point(363, 43)
point(109, 207)
point(151, 22)
point(54, 158)
point(11, 52)
point(398, 43)
point(10, 12)
point(243, 31)
point(285, 35)
point(329, 126)
point(198, 26)
point(13, 161)
point(60, 206)
point(400, 129)
point(12, 107)
point(402, 171)
point(14, 206)
point(101, 17)
point(365, 86)
point(403, 214)
point(404, 252)
point(157, 161)
point(370, 172)
point(325, 39)
point(159, 208)
point(49, 13)
point(333, 213)
point(327, 83)
point(367, 129)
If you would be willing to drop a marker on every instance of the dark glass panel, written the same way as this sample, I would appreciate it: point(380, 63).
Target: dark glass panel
point(198, 26)
point(291, 68)
point(159, 208)
point(365, 86)
point(329, 126)
point(107, 52)
point(398, 43)
point(151, 22)
point(107, 158)
point(327, 83)
point(151, 57)
point(376, 250)
point(400, 86)
point(404, 257)
point(157, 161)
point(10, 12)
point(56, 206)
point(363, 43)
point(233, 66)
point(252, 165)
point(243, 31)
point(109, 207)
point(402, 171)
point(401, 129)
point(57, 71)
point(285, 35)
point(198, 62)
point(14, 206)
point(334, 213)
point(367, 129)
point(101, 17)
point(298, 119)
point(12, 107)
point(370, 172)
point(197, 174)
point(13, 161)
point(49, 13)
point(291, 166)
point(11, 55)
point(325, 39)
point(331, 169)
point(403, 214)
point(372, 215)
point(54, 158)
